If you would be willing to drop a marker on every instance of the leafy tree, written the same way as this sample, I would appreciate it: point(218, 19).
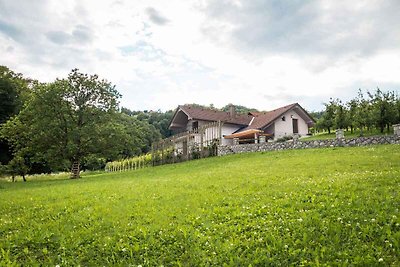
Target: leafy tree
point(340, 120)
point(363, 114)
point(397, 110)
point(351, 114)
point(160, 120)
point(328, 118)
point(17, 166)
point(67, 120)
point(140, 134)
point(316, 114)
point(14, 89)
point(239, 109)
point(384, 109)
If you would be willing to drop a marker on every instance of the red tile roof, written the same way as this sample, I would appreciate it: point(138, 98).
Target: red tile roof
point(262, 119)
point(252, 120)
point(198, 113)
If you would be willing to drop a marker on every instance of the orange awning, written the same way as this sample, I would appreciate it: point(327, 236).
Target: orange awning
point(245, 134)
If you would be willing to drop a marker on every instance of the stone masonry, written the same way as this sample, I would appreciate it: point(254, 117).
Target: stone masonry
point(299, 144)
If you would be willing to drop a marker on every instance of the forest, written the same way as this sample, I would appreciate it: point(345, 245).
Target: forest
point(47, 127)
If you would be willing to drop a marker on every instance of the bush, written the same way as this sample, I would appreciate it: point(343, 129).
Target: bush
point(284, 138)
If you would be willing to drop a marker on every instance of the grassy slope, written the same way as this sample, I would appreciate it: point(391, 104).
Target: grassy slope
point(332, 206)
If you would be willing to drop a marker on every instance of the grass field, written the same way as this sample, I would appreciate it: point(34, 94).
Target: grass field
point(336, 206)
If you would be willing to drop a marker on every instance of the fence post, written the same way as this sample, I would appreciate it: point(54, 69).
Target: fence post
point(187, 145)
point(339, 133)
point(396, 129)
point(220, 132)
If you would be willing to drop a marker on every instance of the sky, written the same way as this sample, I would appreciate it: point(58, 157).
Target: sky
point(256, 53)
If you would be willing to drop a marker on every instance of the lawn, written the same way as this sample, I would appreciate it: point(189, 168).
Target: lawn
point(333, 206)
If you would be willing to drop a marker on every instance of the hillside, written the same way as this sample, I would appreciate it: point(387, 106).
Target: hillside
point(302, 207)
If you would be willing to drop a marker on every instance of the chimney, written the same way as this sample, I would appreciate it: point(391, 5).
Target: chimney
point(232, 111)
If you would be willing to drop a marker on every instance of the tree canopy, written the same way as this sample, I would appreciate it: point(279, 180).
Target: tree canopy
point(366, 111)
point(65, 122)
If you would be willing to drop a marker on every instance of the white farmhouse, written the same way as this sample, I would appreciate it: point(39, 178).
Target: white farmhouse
point(244, 128)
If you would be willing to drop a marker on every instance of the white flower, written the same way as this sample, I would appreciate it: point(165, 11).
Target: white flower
point(380, 260)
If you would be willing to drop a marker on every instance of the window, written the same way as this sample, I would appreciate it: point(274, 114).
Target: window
point(195, 125)
point(295, 123)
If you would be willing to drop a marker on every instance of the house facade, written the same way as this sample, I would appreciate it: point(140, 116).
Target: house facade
point(230, 127)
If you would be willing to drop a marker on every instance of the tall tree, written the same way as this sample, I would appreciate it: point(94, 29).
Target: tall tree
point(384, 108)
point(14, 89)
point(363, 114)
point(351, 114)
point(66, 120)
point(340, 120)
point(328, 118)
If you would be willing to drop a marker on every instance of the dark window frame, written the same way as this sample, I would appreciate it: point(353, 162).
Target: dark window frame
point(295, 124)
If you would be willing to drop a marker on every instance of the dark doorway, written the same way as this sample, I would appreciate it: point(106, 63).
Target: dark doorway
point(295, 126)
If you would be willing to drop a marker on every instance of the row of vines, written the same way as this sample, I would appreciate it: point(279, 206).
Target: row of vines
point(139, 162)
point(130, 163)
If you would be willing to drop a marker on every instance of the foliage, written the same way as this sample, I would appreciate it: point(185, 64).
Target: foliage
point(284, 138)
point(141, 134)
point(384, 112)
point(379, 109)
point(75, 119)
point(316, 115)
point(133, 163)
point(93, 163)
point(259, 209)
point(14, 89)
point(66, 120)
point(239, 109)
point(328, 118)
point(160, 120)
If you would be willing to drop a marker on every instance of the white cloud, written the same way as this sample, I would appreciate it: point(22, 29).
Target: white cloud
point(164, 53)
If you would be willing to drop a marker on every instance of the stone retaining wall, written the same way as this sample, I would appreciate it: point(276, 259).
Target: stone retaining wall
point(338, 142)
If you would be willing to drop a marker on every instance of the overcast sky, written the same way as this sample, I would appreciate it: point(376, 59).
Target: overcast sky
point(257, 53)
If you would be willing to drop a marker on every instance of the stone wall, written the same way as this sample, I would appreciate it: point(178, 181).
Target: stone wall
point(299, 144)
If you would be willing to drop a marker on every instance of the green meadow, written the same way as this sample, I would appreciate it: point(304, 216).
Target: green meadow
point(316, 207)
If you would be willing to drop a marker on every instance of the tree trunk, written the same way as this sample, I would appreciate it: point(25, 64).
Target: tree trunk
point(13, 178)
point(23, 177)
point(75, 169)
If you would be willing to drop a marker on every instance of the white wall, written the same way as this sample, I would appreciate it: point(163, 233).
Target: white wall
point(283, 128)
point(228, 129)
